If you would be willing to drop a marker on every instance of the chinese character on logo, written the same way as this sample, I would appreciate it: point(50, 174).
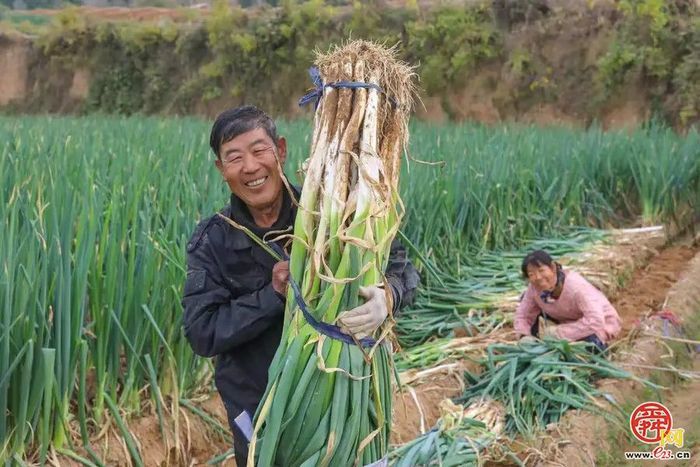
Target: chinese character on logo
point(674, 436)
point(650, 422)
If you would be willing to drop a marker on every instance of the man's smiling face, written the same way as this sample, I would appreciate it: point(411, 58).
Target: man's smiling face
point(249, 166)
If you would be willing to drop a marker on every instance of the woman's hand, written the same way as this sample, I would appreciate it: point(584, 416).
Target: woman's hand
point(528, 339)
point(550, 331)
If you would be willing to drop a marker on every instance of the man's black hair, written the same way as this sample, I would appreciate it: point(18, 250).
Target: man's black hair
point(234, 122)
point(536, 258)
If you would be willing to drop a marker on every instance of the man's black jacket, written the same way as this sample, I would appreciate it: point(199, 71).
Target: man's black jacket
point(231, 310)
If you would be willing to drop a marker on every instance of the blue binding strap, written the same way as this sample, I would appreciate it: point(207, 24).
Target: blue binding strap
point(330, 330)
point(317, 92)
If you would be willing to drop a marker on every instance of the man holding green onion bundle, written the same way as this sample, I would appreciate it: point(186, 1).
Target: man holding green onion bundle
point(235, 291)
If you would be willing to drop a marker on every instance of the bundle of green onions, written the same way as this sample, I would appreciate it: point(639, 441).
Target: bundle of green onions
point(539, 381)
point(328, 401)
point(457, 438)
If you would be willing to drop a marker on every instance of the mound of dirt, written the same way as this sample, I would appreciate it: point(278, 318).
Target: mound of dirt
point(647, 288)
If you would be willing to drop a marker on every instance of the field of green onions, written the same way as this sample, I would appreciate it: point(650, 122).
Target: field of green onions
point(96, 212)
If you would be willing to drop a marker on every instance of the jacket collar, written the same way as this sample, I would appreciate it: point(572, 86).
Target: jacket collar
point(239, 212)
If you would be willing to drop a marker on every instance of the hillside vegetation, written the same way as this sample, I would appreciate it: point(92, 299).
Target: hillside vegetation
point(489, 61)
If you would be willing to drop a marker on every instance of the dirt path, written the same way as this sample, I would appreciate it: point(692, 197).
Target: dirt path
point(646, 290)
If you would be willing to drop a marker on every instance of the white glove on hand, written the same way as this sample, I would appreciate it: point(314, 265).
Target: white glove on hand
point(363, 320)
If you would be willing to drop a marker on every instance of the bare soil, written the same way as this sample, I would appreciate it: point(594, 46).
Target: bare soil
point(646, 291)
point(416, 407)
point(14, 62)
